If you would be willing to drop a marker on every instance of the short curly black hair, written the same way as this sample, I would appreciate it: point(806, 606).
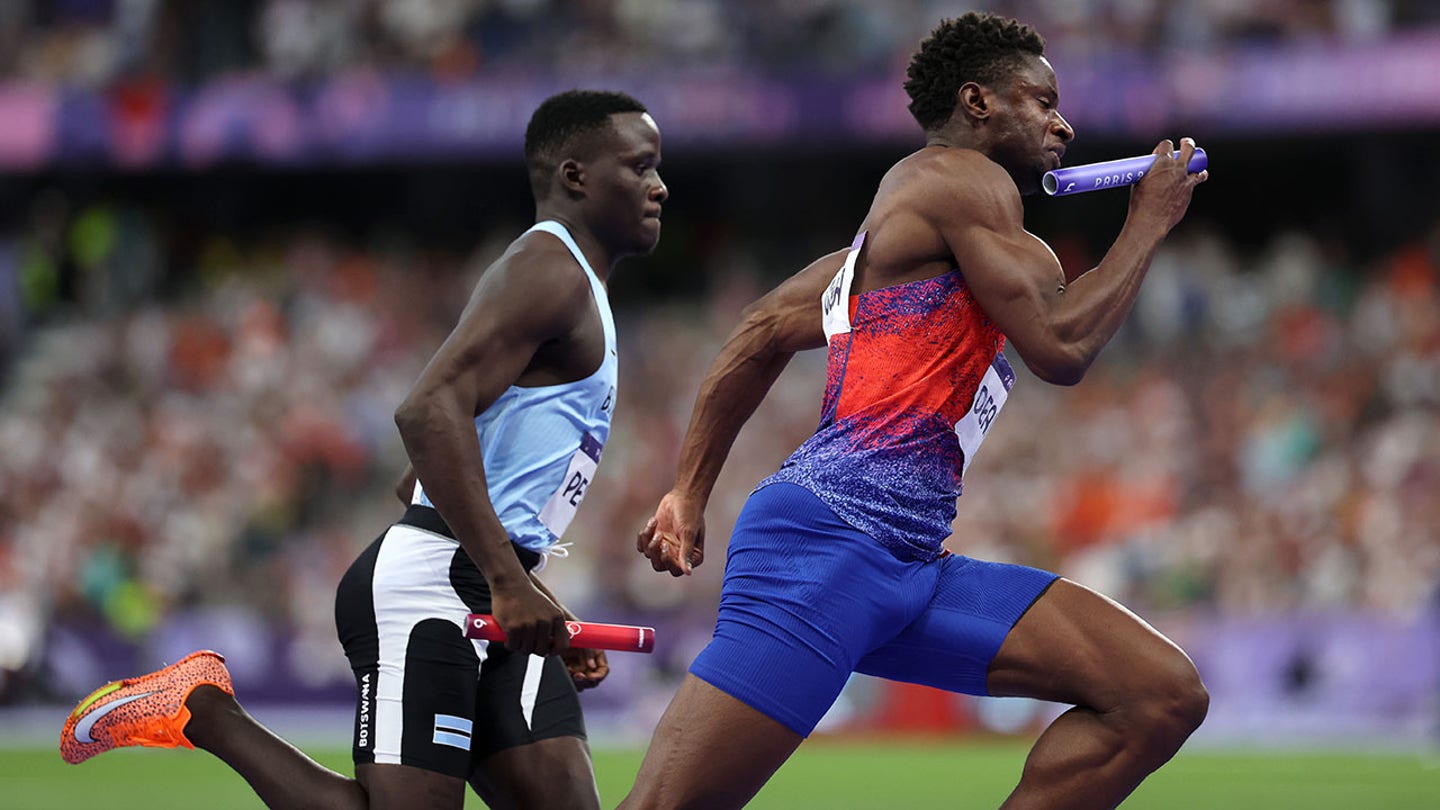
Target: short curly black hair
point(974, 47)
point(565, 115)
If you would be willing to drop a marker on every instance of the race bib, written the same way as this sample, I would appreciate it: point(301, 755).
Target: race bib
point(560, 509)
point(989, 399)
point(835, 303)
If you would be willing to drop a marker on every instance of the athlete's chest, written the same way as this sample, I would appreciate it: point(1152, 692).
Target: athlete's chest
point(574, 356)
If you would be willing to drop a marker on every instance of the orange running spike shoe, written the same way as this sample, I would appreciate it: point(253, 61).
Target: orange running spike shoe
point(149, 710)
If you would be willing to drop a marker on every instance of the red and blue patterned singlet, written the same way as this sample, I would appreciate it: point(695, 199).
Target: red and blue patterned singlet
point(916, 374)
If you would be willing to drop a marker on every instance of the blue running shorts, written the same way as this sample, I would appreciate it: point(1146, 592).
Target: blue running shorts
point(808, 599)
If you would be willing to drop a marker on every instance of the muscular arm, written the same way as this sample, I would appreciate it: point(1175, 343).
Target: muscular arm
point(1018, 280)
point(771, 330)
point(405, 487)
point(587, 668)
point(529, 297)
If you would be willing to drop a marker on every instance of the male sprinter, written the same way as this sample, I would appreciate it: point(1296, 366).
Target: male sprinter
point(504, 429)
point(836, 564)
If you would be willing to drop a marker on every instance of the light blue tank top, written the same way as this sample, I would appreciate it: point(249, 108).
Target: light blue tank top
point(541, 445)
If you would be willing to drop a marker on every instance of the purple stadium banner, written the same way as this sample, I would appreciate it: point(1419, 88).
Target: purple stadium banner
point(363, 117)
point(28, 136)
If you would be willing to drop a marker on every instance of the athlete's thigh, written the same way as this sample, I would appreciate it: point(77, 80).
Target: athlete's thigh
point(709, 751)
point(530, 746)
point(522, 700)
point(805, 596)
point(952, 643)
point(404, 787)
point(554, 772)
point(399, 613)
point(1077, 646)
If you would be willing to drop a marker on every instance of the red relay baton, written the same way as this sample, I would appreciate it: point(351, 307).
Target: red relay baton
point(586, 635)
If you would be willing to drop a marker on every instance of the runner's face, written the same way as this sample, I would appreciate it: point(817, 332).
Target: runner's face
point(628, 192)
point(1032, 134)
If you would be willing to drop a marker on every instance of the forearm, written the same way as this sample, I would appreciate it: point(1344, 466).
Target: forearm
point(445, 454)
point(771, 330)
point(734, 387)
point(540, 586)
point(1100, 300)
point(405, 488)
point(1091, 308)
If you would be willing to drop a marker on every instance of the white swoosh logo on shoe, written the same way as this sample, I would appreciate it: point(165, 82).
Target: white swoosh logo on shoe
point(82, 729)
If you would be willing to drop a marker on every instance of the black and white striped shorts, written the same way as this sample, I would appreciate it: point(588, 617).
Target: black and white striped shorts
point(428, 696)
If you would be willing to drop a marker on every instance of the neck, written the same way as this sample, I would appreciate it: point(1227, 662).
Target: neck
point(602, 261)
point(968, 140)
point(956, 138)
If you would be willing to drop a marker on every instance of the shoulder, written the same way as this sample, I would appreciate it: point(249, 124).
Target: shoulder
point(947, 181)
point(540, 270)
point(537, 288)
point(543, 257)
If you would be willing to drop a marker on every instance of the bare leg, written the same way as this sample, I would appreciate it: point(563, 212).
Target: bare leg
point(281, 774)
point(709, 751)
point(550, 773)
point(403, 787)
point(284, 777)
point(1137, 698)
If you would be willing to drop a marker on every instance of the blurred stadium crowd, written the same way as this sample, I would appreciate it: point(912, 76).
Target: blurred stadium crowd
point(1263, 438)
point(98, 42)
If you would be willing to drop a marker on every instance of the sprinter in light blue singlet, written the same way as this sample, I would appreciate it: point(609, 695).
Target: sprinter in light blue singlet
point(541, 445)
point(540, 440)
point(504, 429)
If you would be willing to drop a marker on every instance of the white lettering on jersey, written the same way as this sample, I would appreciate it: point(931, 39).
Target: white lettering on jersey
point(835, 303)
point(560, 509)
point(989, 399)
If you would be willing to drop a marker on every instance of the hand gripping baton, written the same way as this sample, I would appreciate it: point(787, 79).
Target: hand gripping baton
point(1110, 173)
point(588, 635)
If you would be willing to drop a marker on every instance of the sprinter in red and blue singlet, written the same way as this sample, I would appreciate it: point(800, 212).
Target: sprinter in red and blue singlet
point(837, 564)
point(916, 374)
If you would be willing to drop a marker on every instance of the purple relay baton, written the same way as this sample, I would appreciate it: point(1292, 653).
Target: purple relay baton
point(1109, 174)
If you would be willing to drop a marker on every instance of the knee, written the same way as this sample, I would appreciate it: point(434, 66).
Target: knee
point(645, 798)
point(551, 773)
point(572, 785)
point(1176, 703)
point(1190, 700)
point(575, 793)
